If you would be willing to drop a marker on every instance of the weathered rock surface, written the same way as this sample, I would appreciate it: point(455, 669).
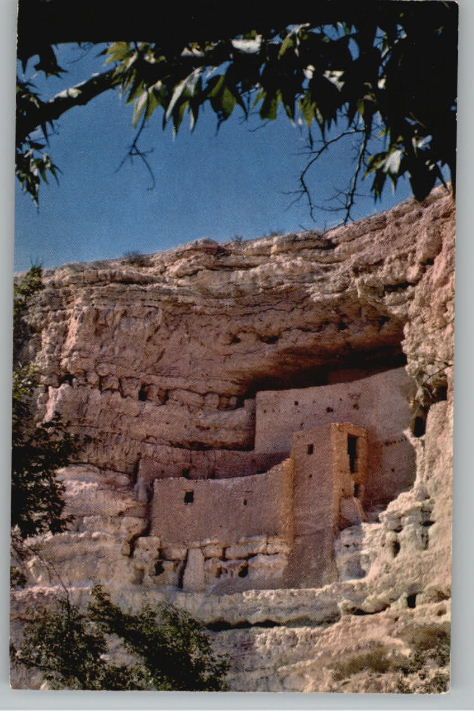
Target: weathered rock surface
point(171, 355)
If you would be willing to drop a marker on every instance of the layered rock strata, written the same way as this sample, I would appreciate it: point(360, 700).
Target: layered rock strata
point(162, 363)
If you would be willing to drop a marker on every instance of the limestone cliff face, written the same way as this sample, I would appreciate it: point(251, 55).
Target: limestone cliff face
point(174, 353)
point(164, 360)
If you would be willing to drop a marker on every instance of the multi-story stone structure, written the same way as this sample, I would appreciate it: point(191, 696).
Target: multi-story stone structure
point(274, 522)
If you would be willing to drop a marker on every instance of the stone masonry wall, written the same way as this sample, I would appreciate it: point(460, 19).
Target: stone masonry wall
point(322, 494)
point(180, 462)
point(227, 528)
point(380, 403)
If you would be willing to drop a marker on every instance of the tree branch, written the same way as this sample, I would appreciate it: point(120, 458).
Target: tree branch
point(135, 151)
point(48, 112)
point(304, 190)
point(351, 194)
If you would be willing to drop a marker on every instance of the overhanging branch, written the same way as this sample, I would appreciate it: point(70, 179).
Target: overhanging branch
point(48, 112)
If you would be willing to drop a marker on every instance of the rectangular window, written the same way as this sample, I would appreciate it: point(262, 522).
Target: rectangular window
point(189, 497)
point(352, 451)
point(310, 449)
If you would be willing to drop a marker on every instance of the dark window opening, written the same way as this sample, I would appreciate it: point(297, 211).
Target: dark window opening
point(411, 601)
point(440, 393)
point(67, 378)
point(159, 569)
point(296, 402)
point(352, 452)
point(419, 426)
point(245, 502)
point(185, 473)
point(329, 409)
point(310, 449)
point(395, 548)
point(189, 497)
point(243, 572)
point(357, 489)
point(143, 393)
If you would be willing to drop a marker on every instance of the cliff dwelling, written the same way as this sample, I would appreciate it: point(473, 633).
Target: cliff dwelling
point(264, 438)
point(323, 458)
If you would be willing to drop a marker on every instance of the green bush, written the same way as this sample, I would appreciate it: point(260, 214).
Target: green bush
point(168, 649)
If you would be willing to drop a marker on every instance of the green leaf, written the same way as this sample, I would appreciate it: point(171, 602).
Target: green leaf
point(178, 91)
point(178, 115)
point(392, 162)
point(287, 44)
point(194, 113)
point(117, 52)
point(269, 107)
point(308, 109)
point(215, 85)
point(228, 101)
point(289, 107)
point(378, 184)
point(140, 107)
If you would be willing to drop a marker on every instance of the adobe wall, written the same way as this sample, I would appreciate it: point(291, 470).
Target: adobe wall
point(379, 403)
point(213, 463)
point(325, 484)
point(221, 531)
point(224, 509)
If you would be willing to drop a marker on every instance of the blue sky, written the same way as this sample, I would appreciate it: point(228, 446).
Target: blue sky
point(207, 184)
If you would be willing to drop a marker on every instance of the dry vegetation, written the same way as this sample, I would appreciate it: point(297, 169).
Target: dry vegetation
point(424, 670)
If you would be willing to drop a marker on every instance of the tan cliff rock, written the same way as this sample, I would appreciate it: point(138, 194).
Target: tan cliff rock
point(163, 363)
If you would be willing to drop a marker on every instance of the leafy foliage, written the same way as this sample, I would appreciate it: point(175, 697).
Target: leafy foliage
point(32, 163)
point(24, 290)
point(70, 652)
point(38, 450)
point(169, 650)
point(385, 75)
point(394, 79)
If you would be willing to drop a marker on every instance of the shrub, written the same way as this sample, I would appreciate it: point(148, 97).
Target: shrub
point(168, 649)
point(374, 660)
point(133, 257)
point(425, 670)
point(428, 643)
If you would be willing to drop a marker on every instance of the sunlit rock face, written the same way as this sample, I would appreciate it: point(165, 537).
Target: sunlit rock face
point(163, 371)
